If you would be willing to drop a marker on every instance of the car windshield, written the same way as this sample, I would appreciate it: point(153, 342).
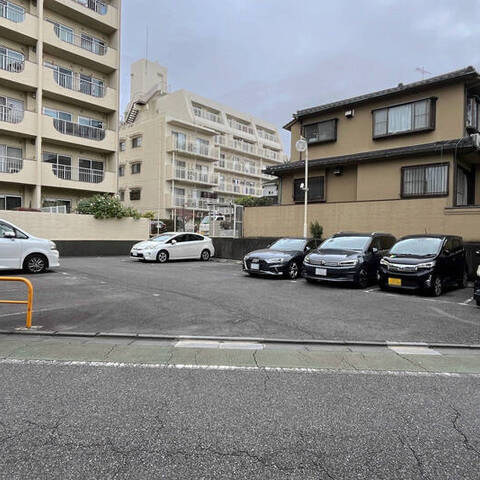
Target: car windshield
point(290, 244)
point(161, 238)
point(345, 243)
point(206, 220)
point(421, 246)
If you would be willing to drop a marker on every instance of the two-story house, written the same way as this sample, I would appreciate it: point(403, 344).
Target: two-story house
point(403, 160)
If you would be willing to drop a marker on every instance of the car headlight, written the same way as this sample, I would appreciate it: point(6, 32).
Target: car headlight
point(275, 260)
point(149, 249)
point(52, 245)
point(427, 264)
point(348, 263)
point(385, 262)
point(478, 271)
point(307, 259)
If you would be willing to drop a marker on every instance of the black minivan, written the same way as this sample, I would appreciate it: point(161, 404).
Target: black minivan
point(424, 262)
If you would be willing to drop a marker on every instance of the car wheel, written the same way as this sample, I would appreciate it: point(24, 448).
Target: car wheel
point(462, 283)
point(383, 287)
point(205, 256)
point(362, 281)
point(162, 256)
point(35, 263)
point(292, 271)
point(437, 287)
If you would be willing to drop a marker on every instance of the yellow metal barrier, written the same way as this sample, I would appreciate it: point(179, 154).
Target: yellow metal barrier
point(28, 302)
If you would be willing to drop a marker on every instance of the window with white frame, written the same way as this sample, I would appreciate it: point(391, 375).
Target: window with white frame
point(425, 180)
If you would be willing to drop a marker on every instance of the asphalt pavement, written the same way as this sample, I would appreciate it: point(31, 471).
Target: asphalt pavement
point(116, 294)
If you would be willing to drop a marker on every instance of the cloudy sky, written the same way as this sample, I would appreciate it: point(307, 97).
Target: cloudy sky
point(273, 57)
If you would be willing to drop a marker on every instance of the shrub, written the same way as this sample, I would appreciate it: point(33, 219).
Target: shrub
point(316, 230)
point(250, 201)
point(105, 206)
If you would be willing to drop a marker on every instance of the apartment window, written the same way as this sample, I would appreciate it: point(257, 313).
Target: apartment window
point(91, 122)
point(321, 131)
point(121, 195)
point(50, 112)
point(11, 110)
point(93, 44)
point(10, 202)
point(136, 168)
point(91, 86)
point(10, 159)
point(90, 171)
point(121, 171)
point(409, 117)
point(316, 189)
point(425, 180)
point(63, 32)
point(13, 12)
point(135, 194)
point(61, 164)
point(137, 141)
point(11, 60)
point(123, 145)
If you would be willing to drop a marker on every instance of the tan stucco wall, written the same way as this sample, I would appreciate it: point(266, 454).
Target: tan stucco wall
point(355, 134)
point(78, 227)
point(400, 217)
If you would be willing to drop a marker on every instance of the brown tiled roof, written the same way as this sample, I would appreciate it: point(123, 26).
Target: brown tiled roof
point(464, 144)
point(451, 77)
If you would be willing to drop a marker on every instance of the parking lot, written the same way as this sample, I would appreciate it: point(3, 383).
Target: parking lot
point(117, 294)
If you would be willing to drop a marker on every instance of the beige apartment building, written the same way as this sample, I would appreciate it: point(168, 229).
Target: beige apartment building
point(59, 96)
point(404, 160)
point(185, 155)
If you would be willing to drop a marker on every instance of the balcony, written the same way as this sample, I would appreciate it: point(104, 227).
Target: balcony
point(245, 147)
point(16, 121)
point(192, 203)
point(230, 165)
point(95, 13)
point(207, 115)
point(239, 189)
point(65, 176)
point(193, 149)
point(15, 73)
point(79, 49)
point(18, 170)
point(269, 137)
point(190, 176)
point(84, 136)
point(236, 125)
point(18, 25)
point(81, 92)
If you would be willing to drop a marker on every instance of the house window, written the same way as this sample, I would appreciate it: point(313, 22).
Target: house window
point(123, 146)
point(135, 194)
point(121, 171)
point(425, 180)
point(321, 131)
point(10, 202)
point(136, 168)
point(137, 142)
point(409, 117)
point(121, 195)
point(316, 189)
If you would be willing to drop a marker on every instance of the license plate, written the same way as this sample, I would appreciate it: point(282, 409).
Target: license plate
point(321, 272)
point(395, 282)
point(255, 266)
point(134, 254)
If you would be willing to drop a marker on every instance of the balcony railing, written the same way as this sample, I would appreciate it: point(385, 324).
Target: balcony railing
point(243, 146)
point(220, 139)
point(87, 43)
point(213, 117)
point(10, 114)
point(270, 154)
point(241, 189)
point(78, 84)
point(77, 130)
point(241, 126)
point(267, 136)
point(78, 174)
point(196, 148)
point(237, 167)
point(10, 164)
point(12, 12)
point(11, 64)
point(95, 5)
point(194, 176)
point(190, 202)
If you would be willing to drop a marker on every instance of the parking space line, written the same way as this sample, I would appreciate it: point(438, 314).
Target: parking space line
point(466, 302)
point(454, 317)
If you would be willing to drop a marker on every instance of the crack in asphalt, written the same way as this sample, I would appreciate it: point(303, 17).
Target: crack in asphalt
point(418, 460)
point(466, 440)
point(266, 377)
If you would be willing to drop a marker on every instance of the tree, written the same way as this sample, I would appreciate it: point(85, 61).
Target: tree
point(316, 230)
point(250, 201)
point(105, 206)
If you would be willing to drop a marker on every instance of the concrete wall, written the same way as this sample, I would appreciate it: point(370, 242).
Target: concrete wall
point(78, 227)
point(399, 217)
point(237, 248)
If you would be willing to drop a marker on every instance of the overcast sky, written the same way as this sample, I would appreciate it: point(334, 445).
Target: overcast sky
point(273, 57)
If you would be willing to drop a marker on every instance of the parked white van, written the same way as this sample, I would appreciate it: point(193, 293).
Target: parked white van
point(20, 250)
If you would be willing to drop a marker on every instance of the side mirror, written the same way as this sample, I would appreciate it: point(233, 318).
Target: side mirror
point(446, 251)
point(374, 249)
point(9, 234)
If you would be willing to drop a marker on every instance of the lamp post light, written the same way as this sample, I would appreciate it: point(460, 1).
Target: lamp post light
point(302, 146)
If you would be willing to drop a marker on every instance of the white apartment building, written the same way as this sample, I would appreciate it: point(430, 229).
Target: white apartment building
point(183, 154)
point(59, 96)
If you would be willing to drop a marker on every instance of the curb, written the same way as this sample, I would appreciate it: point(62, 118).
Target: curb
point(286, 341)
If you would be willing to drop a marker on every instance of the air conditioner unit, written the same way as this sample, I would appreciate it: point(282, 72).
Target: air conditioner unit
point(350, 113)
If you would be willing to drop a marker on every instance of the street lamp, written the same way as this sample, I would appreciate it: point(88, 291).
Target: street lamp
point(302, 146)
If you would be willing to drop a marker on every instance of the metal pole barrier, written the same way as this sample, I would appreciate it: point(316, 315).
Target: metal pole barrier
point(28, 302)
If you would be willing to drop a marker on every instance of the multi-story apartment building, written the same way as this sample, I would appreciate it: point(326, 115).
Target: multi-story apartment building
point(404, 160)
point(59, 90)
point(182, 154)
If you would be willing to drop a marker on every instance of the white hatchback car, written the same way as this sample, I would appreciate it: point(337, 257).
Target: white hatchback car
point(19, 249)
point(174, 246)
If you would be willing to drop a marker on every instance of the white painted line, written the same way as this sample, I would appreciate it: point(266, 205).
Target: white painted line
point(414, 350)
point(242, 345)
point(454, 317)
point(466, 302)
point(372, 290)
point(197, 344)
point(395, 373)
point(156, 294)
